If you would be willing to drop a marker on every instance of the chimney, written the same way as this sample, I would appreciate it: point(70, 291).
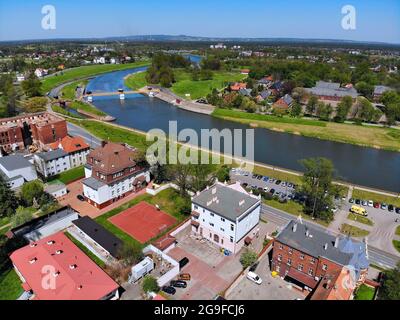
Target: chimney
point(337, 242)
point(294, 227)
point(325, 246)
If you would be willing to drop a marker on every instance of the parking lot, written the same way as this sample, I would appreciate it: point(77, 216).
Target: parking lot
point(281, 189)
point(270, 289)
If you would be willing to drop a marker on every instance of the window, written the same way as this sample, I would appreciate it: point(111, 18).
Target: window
point(196, 207)
point(289, 262)
point(310, 272)
point(290, 251)
point(211, 224)
point(279, 257)
point(222, 219)
point(232, 227)
point(324, 267)
point(231, 239)
point(211, 214)
point(312, 260)
point(278, 268)
point(280, 247)
point(302, 256)
point(222, 229)
point(300, 267)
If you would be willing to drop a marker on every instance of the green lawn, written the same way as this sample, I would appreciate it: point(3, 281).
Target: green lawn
point(396, 244)
point(61, 110)
point(68, 92)
point(70, 175)
point(4, 221)
point(136, 81)
point(87, 252)
point(10, 285)
point(168, 200)
point(376, 197)
point(84, 72)
point(353, 231)
point(364, 292)
point(198, 89)
point(361, 219)
point(87, 107)
point(397, 231)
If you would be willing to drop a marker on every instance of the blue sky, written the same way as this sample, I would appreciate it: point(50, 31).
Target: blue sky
point(377, 20)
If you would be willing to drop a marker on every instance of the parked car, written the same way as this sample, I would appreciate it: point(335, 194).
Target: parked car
point(254, 176)
point(254, 277)
point(290, 185)
point(383, 206)
point(357, 201)
point(390, 208)
point(168, 289)
point(370, 203)
point(178, 284)
point(364, 203)
point(266, 189)
point(278, 182)
point(80, 197)
point(183, 262)
point(259, 177)
point(377, 205)
point(184, 276)
point(272, 191)
point(265, 179)
point(271, 180)
point(398, 210)
point(351, 200)
point(253, 267)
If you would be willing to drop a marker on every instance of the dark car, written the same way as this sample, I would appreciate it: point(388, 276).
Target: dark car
point(390, 208)
point(398, 210)
point(254, 176)
point(278, 182)
point(358, 201)
point(168, 289)
point(178, 284)
point(80, 197)
point(183, 262)
point(272, 191)
point(351, 200)
point(259, 177)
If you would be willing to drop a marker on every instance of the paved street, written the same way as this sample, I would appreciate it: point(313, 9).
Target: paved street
point(75, 130)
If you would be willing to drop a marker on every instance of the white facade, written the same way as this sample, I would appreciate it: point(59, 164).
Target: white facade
point(52, 167)
point(16, 177)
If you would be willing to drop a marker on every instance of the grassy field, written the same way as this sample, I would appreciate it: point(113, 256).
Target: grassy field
point(168, 200)
point(68, 92)
point(10, 285)
point(85, 250)
point(361, 219)
point(60, 110)
point(376, 197)
point(136, 81)
point(198, 89)
point(70, 175)
point(376, 137)
point(353, 231)
point(396, 244)
point(84, 72)
point(88, 108)
point(397, 231)
point(364, 292)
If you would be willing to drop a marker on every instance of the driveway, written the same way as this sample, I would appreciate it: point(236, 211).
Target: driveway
point(270, 289)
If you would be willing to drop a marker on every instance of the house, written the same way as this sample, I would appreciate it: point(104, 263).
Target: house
point(54, 268)
point(40, 73)
point(46, 225)
point(20, 77)
point(284, 103)
point(99, 60)
point(276, 87)
point(332, 91)
point(53, 162)
point(266, 81)
point(16, 170)
point(237, 86)
point(112, 173)
point(40, 128)
point(309, 257)
point(76, 147)
point(57, 189)
point(98, 236)
point(226, 215)
point(245, 92)
point(379, 91)
point(245, 71)
point(264, 95)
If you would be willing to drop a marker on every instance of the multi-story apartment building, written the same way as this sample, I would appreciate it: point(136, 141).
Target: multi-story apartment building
point(76, 148)
point(52, 162)
point(226, 215)
point(38, 128)
point(308, 256)
point(112, 173)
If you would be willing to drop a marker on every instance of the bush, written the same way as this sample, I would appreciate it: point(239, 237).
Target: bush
point(248, 258)
point(150, 284)
point(21, 216)
point(30, 191)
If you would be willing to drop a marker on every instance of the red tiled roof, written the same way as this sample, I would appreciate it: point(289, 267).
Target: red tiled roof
point(302, 277)
point(70, 144)
point(237, 86)
point(84, 282)
point(164, 242)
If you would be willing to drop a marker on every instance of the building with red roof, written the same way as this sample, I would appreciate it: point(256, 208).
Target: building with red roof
point(76, 147)
point(54, 268)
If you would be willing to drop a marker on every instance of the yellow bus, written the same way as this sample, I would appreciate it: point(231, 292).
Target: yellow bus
point(359, 210)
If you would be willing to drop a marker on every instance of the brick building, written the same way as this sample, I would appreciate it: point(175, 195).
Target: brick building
point(112, 173)
point(42, 128)
point(311, 258)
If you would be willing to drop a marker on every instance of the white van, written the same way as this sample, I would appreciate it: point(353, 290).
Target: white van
point(254, 277)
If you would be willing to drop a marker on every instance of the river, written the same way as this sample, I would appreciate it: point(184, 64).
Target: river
point(358, 165)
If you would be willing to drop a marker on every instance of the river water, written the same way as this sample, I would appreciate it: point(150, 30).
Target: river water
point(358, 165)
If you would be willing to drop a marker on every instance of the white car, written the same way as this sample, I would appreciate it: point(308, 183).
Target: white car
point(254, 277)
point(370, 203)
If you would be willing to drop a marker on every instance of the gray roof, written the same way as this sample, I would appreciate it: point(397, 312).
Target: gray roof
point(381, 89)
point(265, 94)
point(93, 183)
point(245, 92)
point(227, 203)
point(288, 99)
point(52, 155)
point(331, 89)
point(14, 162)
point(54, 187)
point(348, 251)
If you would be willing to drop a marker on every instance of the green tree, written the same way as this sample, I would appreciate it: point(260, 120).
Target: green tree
point(317, 187)
point(130, 254)
point(201, 176)
point(312, 104)
point(150, 284)
point(343, 108)
point(248, 258)
point(21, 216)
point(31, 190)
point(365, 89)
point(8, 200)
point(223, 173)
point(295, 110)
point(180, 175)
point(390, 289)
point(35, 104)
point(32, 86)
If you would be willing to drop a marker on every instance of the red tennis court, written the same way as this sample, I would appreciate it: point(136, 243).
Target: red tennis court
point(143, 221)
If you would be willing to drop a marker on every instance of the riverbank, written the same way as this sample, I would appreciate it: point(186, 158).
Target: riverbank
point(373, 137)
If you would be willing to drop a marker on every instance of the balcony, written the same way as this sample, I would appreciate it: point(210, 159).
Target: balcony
point(195, 224)
point(195, 214)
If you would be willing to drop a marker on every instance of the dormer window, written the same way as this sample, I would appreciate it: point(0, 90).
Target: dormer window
point(56, 274)
point(73, 266)
point(32, 245)
point(33, 260)
point(51, 242)
point(59, 251)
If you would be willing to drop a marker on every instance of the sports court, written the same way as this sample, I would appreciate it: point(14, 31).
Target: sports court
point(143, 221)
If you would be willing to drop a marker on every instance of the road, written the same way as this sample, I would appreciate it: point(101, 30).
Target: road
point(75, 130)
point(376, 256)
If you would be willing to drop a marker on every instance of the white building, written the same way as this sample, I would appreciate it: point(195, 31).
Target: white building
point(52, 162)
point(76, 147)
point(226, 215)
point(16, 170)
point(20, 77)
point(56, 189)
point(39, 72)
point(99, 60)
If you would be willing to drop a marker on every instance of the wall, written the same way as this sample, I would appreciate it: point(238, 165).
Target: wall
point(248, 222)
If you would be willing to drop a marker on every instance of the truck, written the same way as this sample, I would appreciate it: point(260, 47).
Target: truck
point(141, 269)
point(358, 210)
